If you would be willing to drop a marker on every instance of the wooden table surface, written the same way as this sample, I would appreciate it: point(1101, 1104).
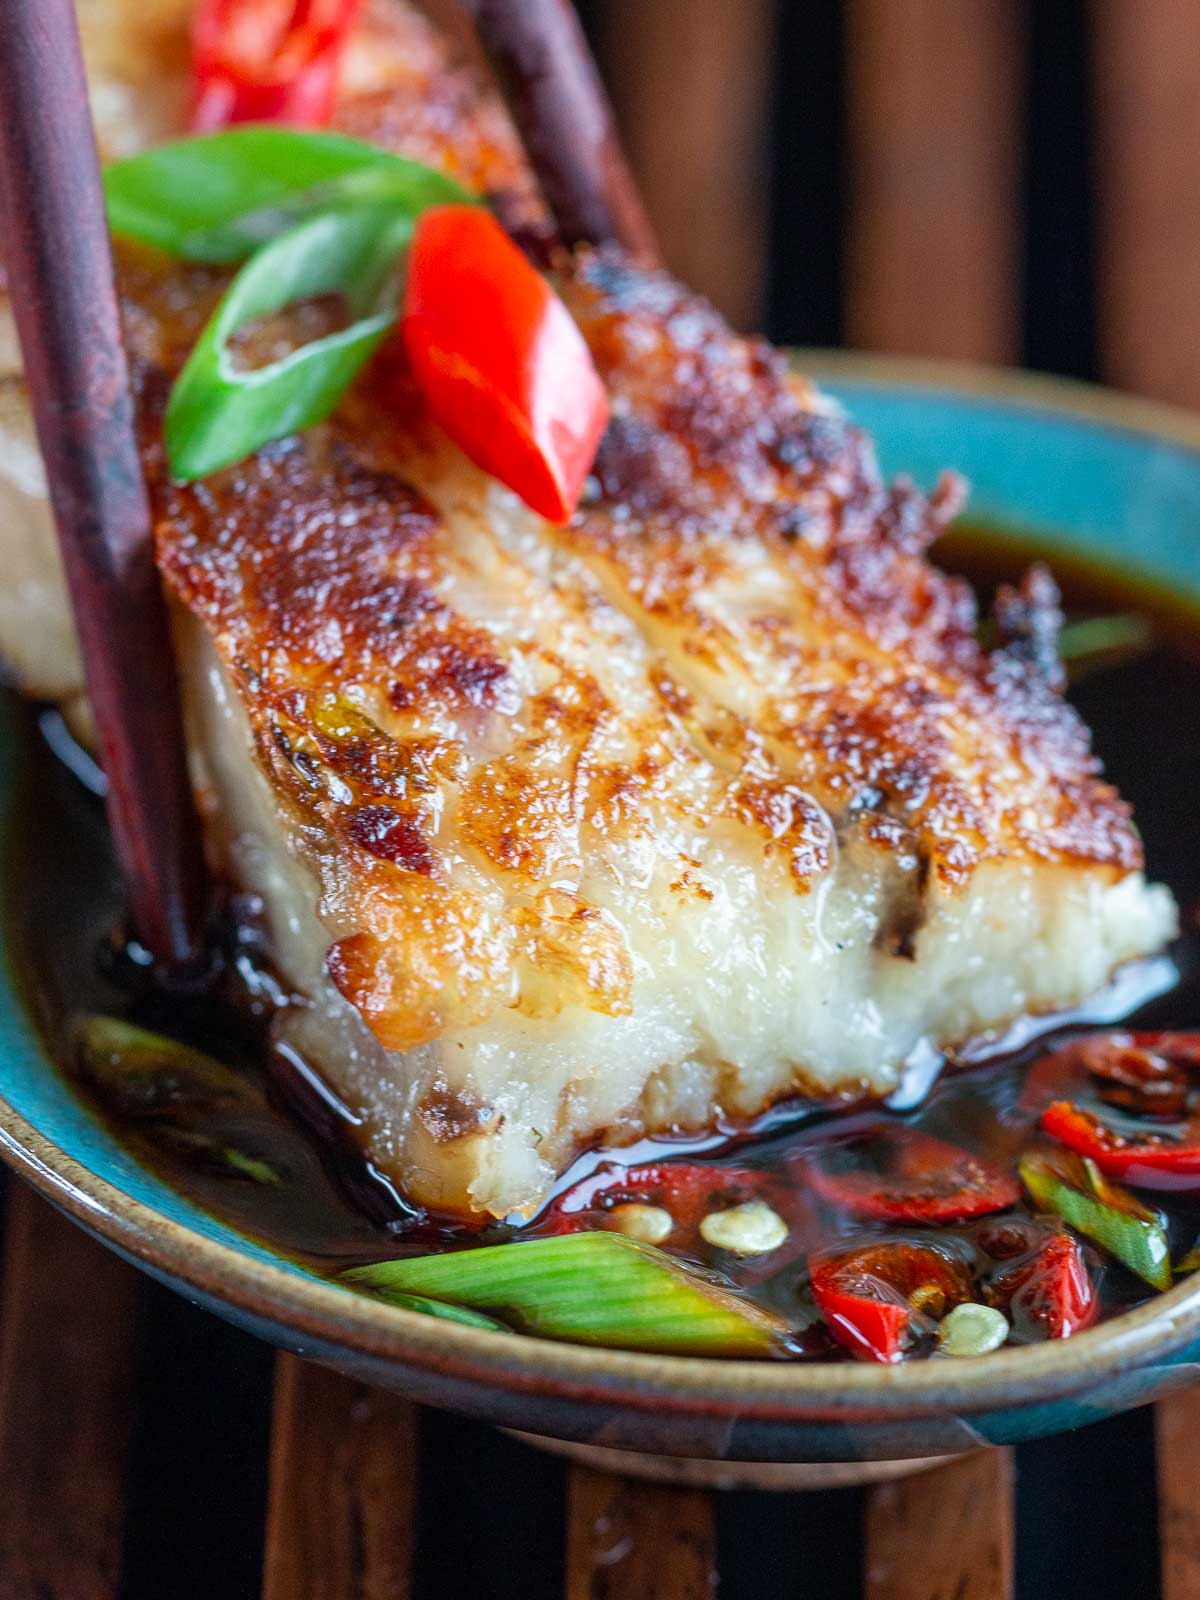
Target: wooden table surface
point(150, 1452)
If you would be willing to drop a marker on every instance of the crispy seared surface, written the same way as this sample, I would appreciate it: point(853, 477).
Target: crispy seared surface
point(568, 835)
point(810, 678)
point(856, 659)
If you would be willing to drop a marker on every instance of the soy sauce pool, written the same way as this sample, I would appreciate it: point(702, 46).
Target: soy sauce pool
point(276, 1157)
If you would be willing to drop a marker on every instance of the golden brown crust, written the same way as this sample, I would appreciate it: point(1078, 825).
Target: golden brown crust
point(809, 682)
point(887, 709)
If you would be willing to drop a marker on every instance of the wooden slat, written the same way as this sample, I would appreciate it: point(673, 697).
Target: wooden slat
point(934, 109)
point(934, 106)
point(342, 1503)
point(68, 1321)
point(943, 1535)
point(1177, 1446)
point(1148, 140)
point(630, 1540)
point(690, 80)
point(1148, 137)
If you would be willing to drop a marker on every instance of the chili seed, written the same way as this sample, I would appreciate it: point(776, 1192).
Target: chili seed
point(929, 1299)
point(649, 1224)
point(752, 1229)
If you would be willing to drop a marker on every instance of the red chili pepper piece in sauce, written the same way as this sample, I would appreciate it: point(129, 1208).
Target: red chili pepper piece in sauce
point(688, 1190)
point(896, 1174)
point(503, 368)
point(1047, 1293)
point(1152, 1079)
point(878, 1299)
point(267, 60)
point(1149, 1160)
point(1148, 1074)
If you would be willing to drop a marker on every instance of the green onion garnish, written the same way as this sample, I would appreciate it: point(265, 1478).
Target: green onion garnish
point(1075, 1189)
point(446, 1311)
point(1091, 642)
point(589, 1288)
point(146, 1075)
point(210, 1154)
point(220, 196)
point(247, 1166)
point(218, 413)
point(1095, 642)
point(316, 214)
point(164, 1086)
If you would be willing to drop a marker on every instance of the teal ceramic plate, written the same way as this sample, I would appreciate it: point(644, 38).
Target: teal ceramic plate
point(1087, 473)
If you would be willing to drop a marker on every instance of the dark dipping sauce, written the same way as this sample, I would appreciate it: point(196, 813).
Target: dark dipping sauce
point(279, 1161)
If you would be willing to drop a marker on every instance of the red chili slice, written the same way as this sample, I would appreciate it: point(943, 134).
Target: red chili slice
point(267, 60)
point(897, 1174)
point(1005, 1238)
point(502, 366)
point(688, 1190)
point(1048, 1294)
point(878, 1299)
point(1151, 1160)
point(1149, 1074)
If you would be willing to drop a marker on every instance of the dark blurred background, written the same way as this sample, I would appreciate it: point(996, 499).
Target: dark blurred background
point(1013, 181)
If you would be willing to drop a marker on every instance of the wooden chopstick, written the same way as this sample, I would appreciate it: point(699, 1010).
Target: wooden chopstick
point(1147, 108)
point(60, 273)
point(539, 54)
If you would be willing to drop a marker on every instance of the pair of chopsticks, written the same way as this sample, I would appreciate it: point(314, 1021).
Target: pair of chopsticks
point(60, 269)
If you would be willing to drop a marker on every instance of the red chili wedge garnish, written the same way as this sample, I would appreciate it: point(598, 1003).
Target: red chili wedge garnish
point(267, 60)
point(877, 1300)
point(1149, 1160)
point(1046, 1293)
point(896, 1174)
point(502, 366)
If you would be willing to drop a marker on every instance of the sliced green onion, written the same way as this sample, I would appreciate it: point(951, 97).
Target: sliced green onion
point(218, 414)
point(447, 1312)
point(1076, 1190)
point(247, 1166)
point(1103, 641)
point(1090, 643)
point(145, 1075)
point(203, 1151)
point(220, 196)
point(590, 1288)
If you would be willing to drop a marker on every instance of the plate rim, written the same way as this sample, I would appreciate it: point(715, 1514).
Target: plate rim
point(1092, 404)
point(517, 1364)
